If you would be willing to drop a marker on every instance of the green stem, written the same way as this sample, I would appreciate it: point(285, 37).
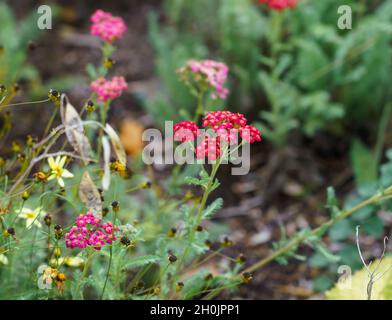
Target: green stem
point(111, 252)
point(200, 106)
point(103, 115)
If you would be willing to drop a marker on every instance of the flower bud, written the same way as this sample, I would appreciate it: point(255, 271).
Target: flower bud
point(227, 242)
point(172, 258)
point(172, 233)
point(58, 231)
point(40, 176)
point(241, 259)
point(25, 195)
point(61, 277)
point(54, 96)
point(9, 232)
point(57, 252)
point(108, 63)
point(89, 106)
point(246, 277)
point(115, 206)
point(125, 241)
point(48, 219)
point(179, 286)
point(146, 185)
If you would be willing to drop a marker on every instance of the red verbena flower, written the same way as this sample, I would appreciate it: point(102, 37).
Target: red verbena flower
point(106, 26)
point(108, 89)
point(89, 230)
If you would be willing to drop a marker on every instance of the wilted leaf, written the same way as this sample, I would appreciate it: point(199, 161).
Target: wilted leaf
point(116, 143)
point(90, 196)
point(106, 163)
point(74, 129)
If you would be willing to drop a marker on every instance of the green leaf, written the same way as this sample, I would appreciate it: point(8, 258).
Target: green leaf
point(374, 226)
point(212, 208)
point(363, 162)
point(322, 283)
point(341, 230)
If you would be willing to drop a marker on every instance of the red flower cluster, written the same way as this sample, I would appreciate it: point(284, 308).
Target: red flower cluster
point(185, 131)
point(225, 126)
point(280, 5)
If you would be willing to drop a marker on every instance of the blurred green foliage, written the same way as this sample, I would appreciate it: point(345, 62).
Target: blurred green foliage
point(294, 68)
point(13, 59)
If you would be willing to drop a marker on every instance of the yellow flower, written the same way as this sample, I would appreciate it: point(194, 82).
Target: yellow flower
point(31, 217)
point(57, 170)
point(74, 262)
point(3, 259)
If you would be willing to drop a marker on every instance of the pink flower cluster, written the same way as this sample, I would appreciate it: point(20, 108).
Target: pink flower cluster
point(280, 5)
point(106, 26)
point(207, 72)
point(90, 231)
point(225, 126)
point(108, 89)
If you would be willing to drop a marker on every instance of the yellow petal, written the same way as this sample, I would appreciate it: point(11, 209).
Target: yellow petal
point(61, 182)
point(51, 162)
point(67, 174)
point(62, 161)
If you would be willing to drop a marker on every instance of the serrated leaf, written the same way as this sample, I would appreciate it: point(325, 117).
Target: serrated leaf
point(212, 208)
point(326, 253)
point(141, 261)
point(74, 129)
point(90, 196)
